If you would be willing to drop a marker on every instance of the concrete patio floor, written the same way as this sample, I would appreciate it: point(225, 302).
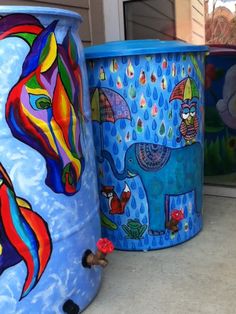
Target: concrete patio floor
point(197, 277)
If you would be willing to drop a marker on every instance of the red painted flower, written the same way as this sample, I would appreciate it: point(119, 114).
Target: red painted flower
point(105, 246)
point(177, 215)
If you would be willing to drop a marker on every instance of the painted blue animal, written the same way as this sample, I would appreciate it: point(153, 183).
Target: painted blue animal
point(164, 172)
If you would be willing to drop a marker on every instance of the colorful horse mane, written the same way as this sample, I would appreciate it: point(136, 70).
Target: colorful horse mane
point(44, 108)
point(24, 235)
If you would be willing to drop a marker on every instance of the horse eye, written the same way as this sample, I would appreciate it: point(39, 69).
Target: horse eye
point(40, 102)
point(130, 160)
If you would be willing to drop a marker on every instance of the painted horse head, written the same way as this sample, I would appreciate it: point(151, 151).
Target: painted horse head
point(44, 108)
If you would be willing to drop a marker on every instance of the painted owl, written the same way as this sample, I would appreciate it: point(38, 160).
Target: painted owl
point(189, 125)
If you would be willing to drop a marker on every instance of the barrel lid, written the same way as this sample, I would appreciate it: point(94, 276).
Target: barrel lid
point(140, 47)
point(12, 9)
point(222, 50)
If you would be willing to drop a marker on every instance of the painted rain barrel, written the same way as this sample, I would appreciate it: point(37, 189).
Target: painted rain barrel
point(47, 169)
point(147, 100)
point(220, 130)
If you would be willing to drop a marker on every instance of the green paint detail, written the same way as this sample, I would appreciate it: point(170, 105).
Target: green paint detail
point(45, 50)
point(134, 229)
point(43, 103)
point(65, 78)
point(162, 128)
point(73, 49)
point(107, 223)
point(29, 38)
point(33, 83)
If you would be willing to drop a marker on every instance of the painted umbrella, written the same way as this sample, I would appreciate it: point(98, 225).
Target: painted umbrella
point(108, 106)
point(185, 90)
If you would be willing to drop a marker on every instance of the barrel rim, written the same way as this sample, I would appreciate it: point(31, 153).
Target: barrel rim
point(12, 9)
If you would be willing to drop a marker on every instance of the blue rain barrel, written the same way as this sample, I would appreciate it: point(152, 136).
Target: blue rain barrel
point(220, 113)
point(147, 100)
point(47, 165)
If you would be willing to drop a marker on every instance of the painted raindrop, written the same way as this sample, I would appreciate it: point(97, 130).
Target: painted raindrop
point(127, 137)
point(125, 81)
point(159, 71)
point(172, 203)
point(134, 135)
point(122, 124)
point(142, 208)
point(125, 93)
point(150, 103)
point(111, 83)
point(130, 70)
point(163, 83)
point(142, 78)
point(154, 111)
point(133, 203)
point(166, 106)
point(119, 83)
point(132, 123)
point(169, 86)
point(156, 139)
point(115, 149)
point(147, 66)
point(113, 130)
point(153, 77)
point(162, 128)
point(118, 221)
point(148, 91)
point(113, 66)
point(107, 126)
point(134, 107)
point(142, 102)
point(164, 63)
point(127, 211)
point(185, 211)
point(178, 200)
point(168, 71)
point(136, 60)
point(170, 114)
point(132, 92)
point(178, 69)
point(146, 115)
point(139, 125)
point(175, 121)
point(155, 94)
point(137, 214)
point(144, 220)
point(161, 100)
point(173, 69)
point(164, 142)
point(170, 133)
point(133, 185)
point(125, 147)
point(161, 114)
point(154, 125)
point(147, 133)
point(102, 74)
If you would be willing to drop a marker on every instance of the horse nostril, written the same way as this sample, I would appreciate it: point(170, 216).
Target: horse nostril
point(70, 307)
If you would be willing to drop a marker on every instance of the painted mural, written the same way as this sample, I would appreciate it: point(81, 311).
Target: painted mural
point(220, 132)
point(147, 116)
point(46, 167)
point(44, 108)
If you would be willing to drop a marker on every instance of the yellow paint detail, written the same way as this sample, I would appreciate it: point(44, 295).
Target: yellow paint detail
point(44, 127)
point(95, 106)
point(23, 203)
point(198, 71)
point(1, 249)
point(50, 58)
point(59, 135)
point(188, 90)
point(37, 91)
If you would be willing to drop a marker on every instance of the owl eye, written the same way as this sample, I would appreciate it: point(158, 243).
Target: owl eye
point(185, 115)
point(40, 102)
point(192, 111)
